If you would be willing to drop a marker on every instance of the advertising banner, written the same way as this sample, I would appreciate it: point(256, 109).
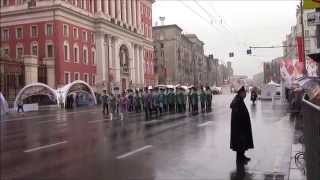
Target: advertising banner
point(311, 4)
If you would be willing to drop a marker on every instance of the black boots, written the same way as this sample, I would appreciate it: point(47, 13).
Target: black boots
point(241, 158)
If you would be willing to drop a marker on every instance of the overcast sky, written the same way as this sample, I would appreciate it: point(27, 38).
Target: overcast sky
point(232, 26)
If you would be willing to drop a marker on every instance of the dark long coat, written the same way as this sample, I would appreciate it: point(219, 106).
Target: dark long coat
point(241, 132)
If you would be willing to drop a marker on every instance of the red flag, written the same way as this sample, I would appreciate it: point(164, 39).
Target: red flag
point(300, 48)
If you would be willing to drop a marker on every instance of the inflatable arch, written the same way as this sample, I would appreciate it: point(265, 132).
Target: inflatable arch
point(36, 89)
point(75, 86)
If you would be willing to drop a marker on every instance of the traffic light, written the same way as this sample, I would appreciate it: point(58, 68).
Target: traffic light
point(249, 51)
point(231, 54)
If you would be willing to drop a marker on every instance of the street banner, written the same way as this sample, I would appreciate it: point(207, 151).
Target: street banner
point(300, 48)
point(311, 4)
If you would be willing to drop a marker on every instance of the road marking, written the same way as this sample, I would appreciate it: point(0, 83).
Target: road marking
point(44, 147)
point(134, 152)
point(99, 120)
point(204, 124)
point(48, 115)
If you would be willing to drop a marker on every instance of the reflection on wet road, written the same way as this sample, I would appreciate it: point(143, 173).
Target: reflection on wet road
point(83, 145)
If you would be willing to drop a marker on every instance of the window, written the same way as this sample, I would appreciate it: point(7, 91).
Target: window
point(5, 34)
point(19, 51)
point(34, 31)
point(49, 29)
point(49, 50)
point(19, 2)
point(85, 55)
point(85, 35)
point(5, 52)
point(93, 79)
point(19, 33)
point(76, 76)
point(66, 51)
point(86, 77)
point(65, 30)
point(76, 53)
point(93, 38)
point(5, 3)
point(34, 49)
point(67, 78)
point(75, 33)
point(93, 57)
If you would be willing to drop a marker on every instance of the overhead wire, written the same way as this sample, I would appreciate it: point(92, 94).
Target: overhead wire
point(199, 15)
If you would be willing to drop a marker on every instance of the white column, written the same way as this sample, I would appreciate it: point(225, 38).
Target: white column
point(134, 13)
point(129, 20)
point(110, 51)
point(137, 68)
point(92, 6)
point(106, 7)
point(124, 11)
point(100, 57)
point(99, 6)
point(138, 15)
point(118, 10)
point(113, 9)
point(132, 64)
point(117, 60)
point(142, 65)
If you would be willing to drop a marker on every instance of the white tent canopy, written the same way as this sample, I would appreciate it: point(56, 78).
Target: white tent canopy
point(35, 89)
point(77, 85)
point(3, 105)
point(270, 90)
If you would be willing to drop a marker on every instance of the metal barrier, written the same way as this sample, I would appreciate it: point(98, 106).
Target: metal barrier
point(311, 119)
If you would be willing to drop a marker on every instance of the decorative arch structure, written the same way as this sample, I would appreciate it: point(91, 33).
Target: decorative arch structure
point(36, 89)
point(74, 87)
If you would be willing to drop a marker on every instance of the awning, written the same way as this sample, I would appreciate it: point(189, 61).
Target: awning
point(315, 57)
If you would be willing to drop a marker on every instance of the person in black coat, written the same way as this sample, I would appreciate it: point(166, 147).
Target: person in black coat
point(241, 132)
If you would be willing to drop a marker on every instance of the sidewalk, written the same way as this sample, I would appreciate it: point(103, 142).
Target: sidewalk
point(297, 163)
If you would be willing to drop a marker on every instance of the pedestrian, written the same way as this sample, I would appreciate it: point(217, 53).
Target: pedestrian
point(136, 101)
point(147, 103)
point(202, 100)
point(113, 105)
point(190, 100)
point(155, 101)
point(166, 100)
point(194, 101)
point(241, 132)
point(104, 100)
point(161, 101)
point(179, 100)
point(20, 106)
point(130, 100)
point(123, 105)
point(171, 100)
point(208, 99)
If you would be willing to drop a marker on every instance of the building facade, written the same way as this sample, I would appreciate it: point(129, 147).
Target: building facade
point(105, 43)
point(179, 57)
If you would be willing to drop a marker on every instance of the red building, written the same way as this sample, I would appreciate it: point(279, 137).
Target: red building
point(102, 42)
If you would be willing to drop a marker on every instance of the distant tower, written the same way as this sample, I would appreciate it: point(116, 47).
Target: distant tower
point(162, 19)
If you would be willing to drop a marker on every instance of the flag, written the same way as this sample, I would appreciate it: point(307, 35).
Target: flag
point(311, 4)
point(300, 48)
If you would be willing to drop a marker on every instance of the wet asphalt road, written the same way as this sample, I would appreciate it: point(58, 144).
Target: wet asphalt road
point(83, 145)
